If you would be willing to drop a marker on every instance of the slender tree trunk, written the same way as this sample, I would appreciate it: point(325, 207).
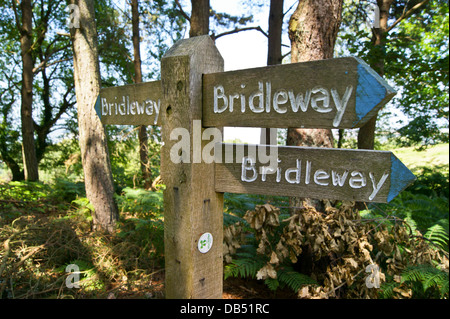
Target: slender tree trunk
point(43, 129)
point(30, 163)
point(313, 30)
point(366, 134)
point(93, 143)
point(274, 55)
point(48, 120)
point(199, 18)
point(16, 171)
point(341, 138)
point(136, 41)
point(143, 137)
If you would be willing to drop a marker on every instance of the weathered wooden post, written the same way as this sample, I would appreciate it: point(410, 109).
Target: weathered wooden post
point(191, 205)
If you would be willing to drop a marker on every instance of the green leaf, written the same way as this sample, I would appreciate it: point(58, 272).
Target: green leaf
point(294, 279)
point(273, 284)
point(438, 235)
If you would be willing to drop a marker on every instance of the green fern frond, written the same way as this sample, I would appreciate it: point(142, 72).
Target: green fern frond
point(245, 255)
point(428, 276)
point(444, 288)
point(287, 276)
point(293, 279)
point(411, 222)
point(273, 284)
point(425, 281)
point(229, 219)
point(432, 205)
point(438, 279)
point(387, 289)
point(438, 235)
point(416, 273)
point(420, 204)
point(244, 267)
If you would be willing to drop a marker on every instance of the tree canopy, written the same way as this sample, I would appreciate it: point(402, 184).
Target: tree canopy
point(416, 58)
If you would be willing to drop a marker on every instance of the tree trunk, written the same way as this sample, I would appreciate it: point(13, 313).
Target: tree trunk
point(199, 18)
point(274, 55)
point(143, 137)
point(93, 143)
point(366, 134)
point(313, 30)
point(43, 129)
point(310, 137)
point(48, 120)
point(16, 171)
point(30, 163)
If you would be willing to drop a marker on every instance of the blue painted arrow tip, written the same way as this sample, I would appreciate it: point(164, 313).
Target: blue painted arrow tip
point(97, 107)
point(371, 90)
point(401, 177)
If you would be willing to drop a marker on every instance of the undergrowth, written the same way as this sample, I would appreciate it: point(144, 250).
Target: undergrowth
point(325, 254)
point(46, 228)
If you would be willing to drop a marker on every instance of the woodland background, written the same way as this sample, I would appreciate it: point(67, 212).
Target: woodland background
point(50, 216)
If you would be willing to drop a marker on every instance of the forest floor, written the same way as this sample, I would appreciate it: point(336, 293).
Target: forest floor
point(40, 239)
point(233, 288)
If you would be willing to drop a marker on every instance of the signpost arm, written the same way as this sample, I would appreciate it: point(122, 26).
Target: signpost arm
point(191, 205)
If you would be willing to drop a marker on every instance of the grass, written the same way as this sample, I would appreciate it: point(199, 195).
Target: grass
point(436, 155)
point(44, 228)
point(4, 173)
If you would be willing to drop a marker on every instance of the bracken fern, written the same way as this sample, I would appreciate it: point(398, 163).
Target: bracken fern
point(431, 279)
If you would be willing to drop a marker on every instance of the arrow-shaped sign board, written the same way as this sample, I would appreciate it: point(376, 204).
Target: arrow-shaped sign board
point(134, 104)
point(323, 173)
point(334, 93)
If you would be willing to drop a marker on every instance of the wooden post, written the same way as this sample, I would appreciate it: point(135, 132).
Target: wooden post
point(191, 205)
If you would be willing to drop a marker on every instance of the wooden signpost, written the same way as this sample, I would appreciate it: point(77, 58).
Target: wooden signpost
point(321, 173)
point(192, 207)
point(336, 93)
point(134, 104)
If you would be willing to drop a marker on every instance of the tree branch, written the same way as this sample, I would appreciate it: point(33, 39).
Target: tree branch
point(215, 37)
point(63, 34)
point(285, 55)
point(183, 13)
point(16, 15)
point(44, 64)
point(407, 14)
point(285, 13)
